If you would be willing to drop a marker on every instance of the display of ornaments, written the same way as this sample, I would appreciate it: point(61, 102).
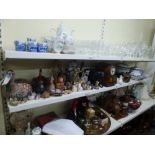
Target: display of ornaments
point(69, 79)
point(64, 43)
point(118, 106)
point(88, 117)
point(31, 46)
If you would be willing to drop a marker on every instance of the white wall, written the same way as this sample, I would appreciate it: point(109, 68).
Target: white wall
point(122, 31)
point(116, 31)
point(21, 29)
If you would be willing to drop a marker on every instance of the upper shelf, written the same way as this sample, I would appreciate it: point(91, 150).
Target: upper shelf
point(11, 54)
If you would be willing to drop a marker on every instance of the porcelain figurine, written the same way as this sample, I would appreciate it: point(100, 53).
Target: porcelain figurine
point(52, 85)
point(68, 39)
point(120, 79)
point(63, 42)
point(89, 86)
point(97, 85)
point(84, 86)
point(75, 87)
point(84, 78)
point(80, 87)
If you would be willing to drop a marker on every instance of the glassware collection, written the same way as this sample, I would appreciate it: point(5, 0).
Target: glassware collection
point(128, 50)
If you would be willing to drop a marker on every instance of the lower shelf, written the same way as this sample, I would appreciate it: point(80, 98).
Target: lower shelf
point(115, 124)
point(146, 104)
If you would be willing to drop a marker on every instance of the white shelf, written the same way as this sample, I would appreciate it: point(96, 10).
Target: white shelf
point(30, 104)
point(138, 59)
point(11, 54)
point(147, 104)
point(52, 100)
point(114, 126)
point(54, 56)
